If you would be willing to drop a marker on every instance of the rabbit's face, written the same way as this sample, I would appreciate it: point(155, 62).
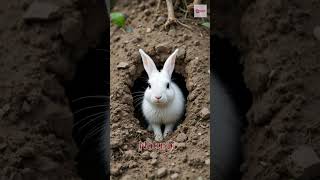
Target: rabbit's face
point(159, 90)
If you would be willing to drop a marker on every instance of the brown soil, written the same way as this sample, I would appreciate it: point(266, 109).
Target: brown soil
point(281, 60)
point(35, 58)
point(190, 158)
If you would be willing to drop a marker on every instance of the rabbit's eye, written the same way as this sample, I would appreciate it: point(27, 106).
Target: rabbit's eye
point(149, 85)
point(168, 85)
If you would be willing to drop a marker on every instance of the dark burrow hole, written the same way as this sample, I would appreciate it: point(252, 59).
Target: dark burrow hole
point(140, 85)
point(88, 94)
point(229, 117)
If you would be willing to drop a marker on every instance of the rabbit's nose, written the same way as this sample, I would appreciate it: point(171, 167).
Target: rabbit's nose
point(158, 97)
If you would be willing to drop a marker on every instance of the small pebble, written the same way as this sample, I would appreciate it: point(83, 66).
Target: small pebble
point(148, 30)
point(27, 152)
point(154, 162)
point(181, 137)
point(181, 53)
point(205, 113)
point(145, 155)
point(154, 155)
point(180, 146)
point(162, 172)
point(147, 12)
point(123, 65)
point(137, 39)
point(161, 20)
point(174, 176)
point(194, 142)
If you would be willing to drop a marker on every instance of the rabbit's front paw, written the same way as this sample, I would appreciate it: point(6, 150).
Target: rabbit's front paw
point(168, 130)
point(165, 134)
point(158, 137)
point(149, 128)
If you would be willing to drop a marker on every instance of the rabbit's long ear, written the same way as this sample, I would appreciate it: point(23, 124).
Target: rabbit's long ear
point(169, 64)
point(148, 63)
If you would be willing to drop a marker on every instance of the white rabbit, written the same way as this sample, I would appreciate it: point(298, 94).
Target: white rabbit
point(163, 102)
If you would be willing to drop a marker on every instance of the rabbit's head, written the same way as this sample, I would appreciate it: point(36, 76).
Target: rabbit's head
point(160, 90)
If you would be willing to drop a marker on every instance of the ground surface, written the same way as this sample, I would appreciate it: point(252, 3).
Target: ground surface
point(280, 46)
point(190, 159)
point(36, 56)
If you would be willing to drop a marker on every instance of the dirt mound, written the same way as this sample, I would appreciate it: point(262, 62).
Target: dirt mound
point(40, 42)
point(190, 157)
point(281, 70)
point(280, 50)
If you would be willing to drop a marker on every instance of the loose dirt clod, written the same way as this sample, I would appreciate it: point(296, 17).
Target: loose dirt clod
point(123, 65)
point(153, 155)
point(181, 137)
point(180, 146)
point(154, 161)
point(27, 152)
point(306, 163)
point(41, 11)
point(174, 176)
point(181, 53)
point(161, 172)
point(145, 155)
point(205, 113)
point(163, 48)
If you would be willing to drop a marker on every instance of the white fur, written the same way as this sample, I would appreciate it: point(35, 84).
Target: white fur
point(170, 107)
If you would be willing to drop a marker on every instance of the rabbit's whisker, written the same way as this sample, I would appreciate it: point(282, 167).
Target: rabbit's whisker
point(87, 97)
point(85, 118)
point(90, 107)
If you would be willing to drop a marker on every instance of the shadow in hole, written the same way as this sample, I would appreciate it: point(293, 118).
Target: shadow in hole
point(88, 94)
point(140, 85)
point(230, 102)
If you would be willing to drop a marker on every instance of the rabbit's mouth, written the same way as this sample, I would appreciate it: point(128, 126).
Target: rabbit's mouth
point(159, 103)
